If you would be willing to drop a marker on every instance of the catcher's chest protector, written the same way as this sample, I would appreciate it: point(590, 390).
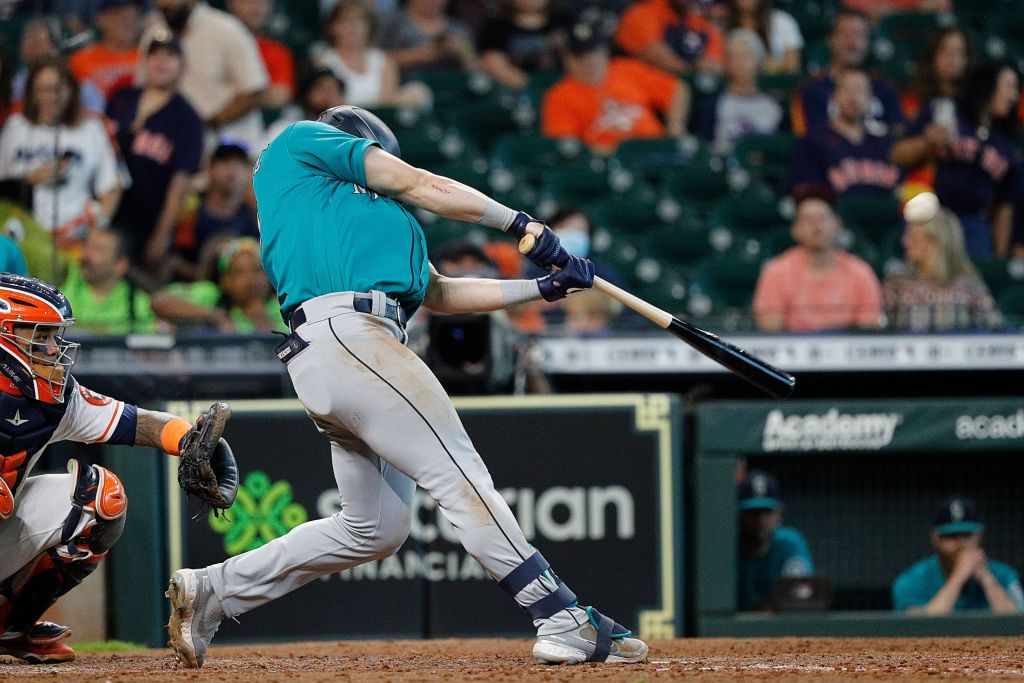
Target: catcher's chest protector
point(25, 428)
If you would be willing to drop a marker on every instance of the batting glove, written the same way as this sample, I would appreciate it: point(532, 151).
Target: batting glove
point(575, 275)
point(548, 250)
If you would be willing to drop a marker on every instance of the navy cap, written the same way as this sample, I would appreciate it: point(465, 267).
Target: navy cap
point(165, 39)
point(591, 30)
point(957, 515)
point(759, 491)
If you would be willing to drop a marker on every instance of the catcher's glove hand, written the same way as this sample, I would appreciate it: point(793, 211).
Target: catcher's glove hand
point(207, 467)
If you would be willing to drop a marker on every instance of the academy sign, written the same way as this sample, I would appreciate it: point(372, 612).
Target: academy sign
point(833, 431)
point(982, 427)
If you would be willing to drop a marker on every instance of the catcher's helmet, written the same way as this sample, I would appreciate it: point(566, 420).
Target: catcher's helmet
point(363, 124)
point(33, 353)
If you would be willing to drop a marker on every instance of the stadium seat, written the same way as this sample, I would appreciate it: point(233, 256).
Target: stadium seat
point(662, 285)
point(652, 159)
point(482, 124)
point(532, 155)
point(779, 86)
point(454, 88)
point(581, 185)
point(472, 173)
point(728, 281)
point(815, 17)
point(877, 217)
point(766, 156)
point(617, 251)
point(682, 244)
point(635, 212)
point(442, 231)
point(428, 145)
point(697, 186)
point(1010, 303)
point(539, 84)
point(1001, 275)
point(749, 213)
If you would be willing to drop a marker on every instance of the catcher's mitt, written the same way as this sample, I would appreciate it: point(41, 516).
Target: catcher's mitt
point(207, 467)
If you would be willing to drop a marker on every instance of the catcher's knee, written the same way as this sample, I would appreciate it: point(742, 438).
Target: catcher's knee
point(99, 497)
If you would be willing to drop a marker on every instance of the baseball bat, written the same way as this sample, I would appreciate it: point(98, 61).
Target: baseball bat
point(762, 375)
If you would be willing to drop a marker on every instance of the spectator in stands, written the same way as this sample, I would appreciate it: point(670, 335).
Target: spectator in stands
point(875, 10)
point(939, 73)
point(11, 258)
point(976, 168)
point(421, 36)
point(111, 63)
point(62, 155)
point(104, 300)
point(38, 44)
point(319, 91)
point(777, 31)
point(161, 141)
point(848, 44)
point(223, 209)
point(224, 74)
point(6, 73)
point(959, 576)
point(240, 301)
point(370, 75)
point(671, 35)
point(523, 39)
point(816, 286)
point(939, 289)
point(847, 156)
point(767, 550)
point(277, 58)
point(603, 100)
point(740, 109)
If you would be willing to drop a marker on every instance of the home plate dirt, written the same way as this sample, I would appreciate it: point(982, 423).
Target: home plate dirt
point(509, 660)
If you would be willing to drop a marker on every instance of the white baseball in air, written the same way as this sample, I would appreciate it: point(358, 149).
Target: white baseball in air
point(921, 208)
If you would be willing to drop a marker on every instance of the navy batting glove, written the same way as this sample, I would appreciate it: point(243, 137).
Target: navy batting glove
point(576, 274)
point(548, 250)
point(519, 223)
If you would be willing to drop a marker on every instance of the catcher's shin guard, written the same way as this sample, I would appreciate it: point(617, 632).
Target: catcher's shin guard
point(30, 592)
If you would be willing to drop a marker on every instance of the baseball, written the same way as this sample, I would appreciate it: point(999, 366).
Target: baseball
point(921, 208)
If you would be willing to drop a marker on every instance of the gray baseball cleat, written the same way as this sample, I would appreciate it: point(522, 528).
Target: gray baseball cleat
point(196, 613)
point(598, 640)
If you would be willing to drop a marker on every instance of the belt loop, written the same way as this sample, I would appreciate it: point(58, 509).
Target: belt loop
point(380, 303)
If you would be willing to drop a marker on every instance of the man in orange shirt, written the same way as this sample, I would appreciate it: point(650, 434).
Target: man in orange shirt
point(603, 101)
point(277, 58)
point(816, 286)
point(671, 35)
point(111, 63)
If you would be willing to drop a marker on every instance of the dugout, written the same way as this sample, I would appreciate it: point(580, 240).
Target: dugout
point(861, 480)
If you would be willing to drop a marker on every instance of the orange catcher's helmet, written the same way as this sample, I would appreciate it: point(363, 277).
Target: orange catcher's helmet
point(34, 356)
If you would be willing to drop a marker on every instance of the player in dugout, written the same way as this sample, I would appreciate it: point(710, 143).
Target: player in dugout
point(767, 550)
point(959, 576)
point(56, 528)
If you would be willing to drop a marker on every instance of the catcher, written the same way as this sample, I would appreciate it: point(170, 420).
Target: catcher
point(55, 528)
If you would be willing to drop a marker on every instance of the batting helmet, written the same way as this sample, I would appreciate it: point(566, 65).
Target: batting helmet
point(363, 124)
point(33, 353)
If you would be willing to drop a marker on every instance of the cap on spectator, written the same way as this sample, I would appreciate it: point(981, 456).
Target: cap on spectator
point(104, 5)
point(311, 79)
point(230, 149)
point(591, 30)
point(957, 515)
point(233, 248)
point(759, 491)
point(164, 39)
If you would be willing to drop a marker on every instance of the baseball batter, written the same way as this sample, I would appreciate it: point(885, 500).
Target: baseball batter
point(350, 265)
point(55, 528)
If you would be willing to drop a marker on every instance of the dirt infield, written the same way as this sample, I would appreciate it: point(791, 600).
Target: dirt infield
point(509, 660)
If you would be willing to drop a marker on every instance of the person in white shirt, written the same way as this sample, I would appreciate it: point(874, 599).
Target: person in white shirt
point(63, 155)
point(224, 74)
point(777, 30)
point(370, 74)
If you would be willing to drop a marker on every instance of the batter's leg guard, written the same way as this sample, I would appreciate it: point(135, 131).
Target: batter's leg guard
point(30, 592)
point(534, 567)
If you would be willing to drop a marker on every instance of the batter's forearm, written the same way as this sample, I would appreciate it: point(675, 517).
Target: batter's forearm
point(477, 295)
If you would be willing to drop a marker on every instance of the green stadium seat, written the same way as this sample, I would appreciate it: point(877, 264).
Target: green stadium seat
point(876, 217)
point(441, 232)
point(619, 252)
point(662, 285)
point(532, 155)
point(539, 84)
point(472, 173)
point(651, 159)
point(683, 244)
point(1001, 275)
point(1011, 304)
point(635, 212)
point(428, 145)
point(779, 86)
point(749, 213)
point(728, 281)
point(766, 156)
point(815, 17)
point(482, 124)
point(697, 186)
point(582, 185)
point(454, 88)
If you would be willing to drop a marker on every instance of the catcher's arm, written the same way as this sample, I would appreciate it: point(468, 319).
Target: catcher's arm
point(150, 426)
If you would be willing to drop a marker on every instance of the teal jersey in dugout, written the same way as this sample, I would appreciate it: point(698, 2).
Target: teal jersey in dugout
point(322, 231)
point(788, 556)
point(918, 585)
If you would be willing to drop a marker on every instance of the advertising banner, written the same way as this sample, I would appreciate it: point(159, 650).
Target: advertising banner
point(592, 480)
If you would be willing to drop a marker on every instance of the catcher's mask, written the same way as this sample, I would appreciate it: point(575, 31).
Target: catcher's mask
point(363, 124)
point(34, 316)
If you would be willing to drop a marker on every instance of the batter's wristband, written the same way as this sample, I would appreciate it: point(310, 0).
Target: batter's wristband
point(172, 434)
point(496, 215)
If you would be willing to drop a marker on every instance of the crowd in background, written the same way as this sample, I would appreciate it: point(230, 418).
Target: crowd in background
point(130, 129)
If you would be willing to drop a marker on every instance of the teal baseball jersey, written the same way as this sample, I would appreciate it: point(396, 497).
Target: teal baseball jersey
point(918, 585)
point(787, 556)
point(322, 231)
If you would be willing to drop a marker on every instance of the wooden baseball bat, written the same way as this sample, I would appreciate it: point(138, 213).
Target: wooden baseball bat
point(762, 375)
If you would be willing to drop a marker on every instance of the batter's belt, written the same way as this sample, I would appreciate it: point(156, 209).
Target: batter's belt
point(323, 307)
